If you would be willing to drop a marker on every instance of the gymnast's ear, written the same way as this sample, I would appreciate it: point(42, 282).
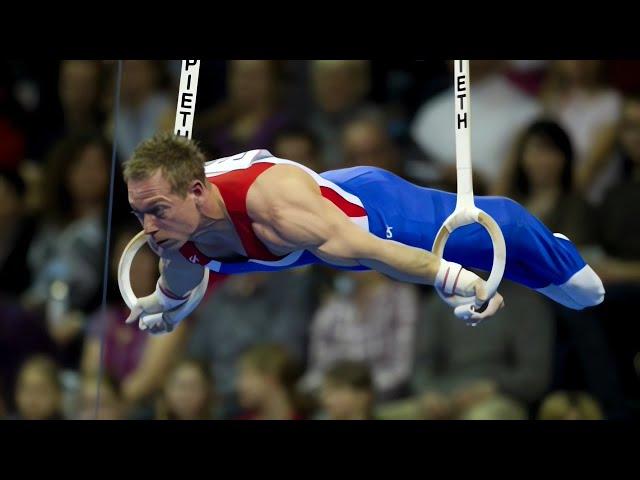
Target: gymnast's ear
point(197, 189)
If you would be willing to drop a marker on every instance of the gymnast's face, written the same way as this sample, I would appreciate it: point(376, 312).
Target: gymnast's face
point(166, 216)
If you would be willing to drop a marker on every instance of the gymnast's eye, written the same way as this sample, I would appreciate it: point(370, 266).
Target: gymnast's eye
point(159, 212)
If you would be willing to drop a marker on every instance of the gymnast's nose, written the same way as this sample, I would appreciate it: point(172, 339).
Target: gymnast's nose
point(149, 224)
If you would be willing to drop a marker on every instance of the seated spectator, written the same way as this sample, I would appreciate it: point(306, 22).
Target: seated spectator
point(267, 377)
point(299, 145)
point(135, 360)
point(110, 408)
point(576, 94)
point(570, 406)
point(370, 318)
point(65, 258)
point(251, 115)
point(366, 141)
point(247, 310)
point(458, 366)
point(543, 182)
point(16, 234)
point(498, 407)
point(144, 105)
point(347, 392)
point(500, 111)
point(79, 88)
point(188, 393)
point(612, 161)
point(618, 261)
point(38, 392)
point(340, 89)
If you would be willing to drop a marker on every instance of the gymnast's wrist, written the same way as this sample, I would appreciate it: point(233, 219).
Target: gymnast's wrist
point(448, 277)
point(168, 299)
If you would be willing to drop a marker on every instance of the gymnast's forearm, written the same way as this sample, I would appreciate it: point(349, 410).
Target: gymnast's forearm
point(403, 262)
point(178, 276)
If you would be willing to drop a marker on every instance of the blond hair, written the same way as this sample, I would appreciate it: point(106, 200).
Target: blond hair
point(180, 160)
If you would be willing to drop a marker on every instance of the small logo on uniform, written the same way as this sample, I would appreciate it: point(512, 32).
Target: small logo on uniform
point(193, 259)
point(389, 232)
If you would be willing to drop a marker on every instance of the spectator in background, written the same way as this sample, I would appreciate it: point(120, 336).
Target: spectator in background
point(144, 105)
point(347, 392)
point(458, 366)
point(38, 392)
point(188, 393)
point(65, 258)
point(251, 115)
point(137, 361)
point(299, 145)
point(368, 318)
point(618, 261)
point(543, 182)
point(570, 406)
point(498, 407)
point(366, 141)
point(111, 406)
point(612, 161)
point(266, 383)
point(80, 90)
point(16, 234)
point(576, 94)
point(340, 89)
point(250, 309)
point(500, 111)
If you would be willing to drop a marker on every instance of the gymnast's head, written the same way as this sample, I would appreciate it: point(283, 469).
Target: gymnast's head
point(167, 188)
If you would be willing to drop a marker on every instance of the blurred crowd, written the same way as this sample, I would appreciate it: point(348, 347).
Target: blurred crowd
point(561, 137)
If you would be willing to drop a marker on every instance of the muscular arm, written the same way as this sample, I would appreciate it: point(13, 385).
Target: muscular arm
point(295, 215)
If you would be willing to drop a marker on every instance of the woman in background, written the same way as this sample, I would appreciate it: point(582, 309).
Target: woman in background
point(188, 393)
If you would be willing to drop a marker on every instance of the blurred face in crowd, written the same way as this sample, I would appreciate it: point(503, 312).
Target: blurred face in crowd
point(78, 86)
point(253, 387)
point(88, 176)
point(187, 393)
point(110, 407)
point(578, 72)
point(168, 217)
point(630, 130)
point(343, 402)
point(339, 84)
point(251, 83)
point(366, 143)
point(543, 163)
point(37, 394)
point(299, 149)
point(138, 81)
point(10, 206)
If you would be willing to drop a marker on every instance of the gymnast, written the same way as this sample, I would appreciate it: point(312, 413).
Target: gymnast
point(255, 212)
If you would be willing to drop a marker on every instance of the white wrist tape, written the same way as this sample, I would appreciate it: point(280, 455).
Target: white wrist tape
point(448, 277)
point(167, 299)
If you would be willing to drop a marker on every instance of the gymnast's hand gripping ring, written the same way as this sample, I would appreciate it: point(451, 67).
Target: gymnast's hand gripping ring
point(124, 281)
point(466, 212)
